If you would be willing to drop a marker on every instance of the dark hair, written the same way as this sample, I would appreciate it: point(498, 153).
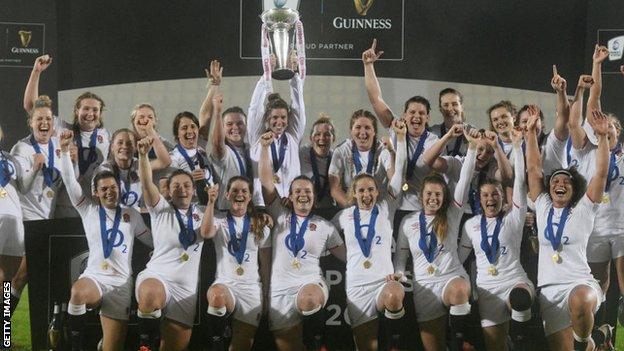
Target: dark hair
point(440, 221)
point(302, 177)
point(449, 91)
point(324, 119)
point(507, 105)
point(234, 109)
point(178, 172)
point(275, 101)
point(493, 182)
point(257, 219)
point(105, 174)
point(78, 103)
point(419, 100)
point(366, 114)
point(524, 109)
point(579, 184)
point(178, 118)
point(112, 139)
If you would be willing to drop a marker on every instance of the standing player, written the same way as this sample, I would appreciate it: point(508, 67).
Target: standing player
point(502, 120)
point(110, 229)
point(430, 236)
point(372, 287)
point(144, 122)
point(298, 291)
point(168, 285)
point(496, 237)
point(243, 249)
point(565, 215)
point(450, 102)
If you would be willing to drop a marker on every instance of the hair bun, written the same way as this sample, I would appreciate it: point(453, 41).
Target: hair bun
point(274, 97)
point(43, 101)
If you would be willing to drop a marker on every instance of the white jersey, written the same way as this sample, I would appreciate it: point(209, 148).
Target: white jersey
point(506, 146)
point(321, 184)
point(229, 167)
point(410, 199)
point(227, 263)
point(380, 257)
point(130, 191)
point(472, 202)
point(343, 165)
point(9, 195)
point(198, 158)
point(170, 258)
point(320, 236)
point(38, 200)
point(290, 168)
point(573, 265)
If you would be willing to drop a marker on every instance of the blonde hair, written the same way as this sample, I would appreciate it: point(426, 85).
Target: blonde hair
point(324, 118)
point(136, 109)
point(42, 101)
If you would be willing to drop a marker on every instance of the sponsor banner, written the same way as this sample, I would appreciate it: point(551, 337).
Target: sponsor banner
point(334, 30)
point(613, 39)
point(21, 43)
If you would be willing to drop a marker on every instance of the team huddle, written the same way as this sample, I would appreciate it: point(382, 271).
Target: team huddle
point(273, 207)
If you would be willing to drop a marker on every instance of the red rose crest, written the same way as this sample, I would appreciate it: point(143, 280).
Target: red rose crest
point(312, 227)
point(100, 139)
point(195, 217)
point(126, 217)
point(58, 152)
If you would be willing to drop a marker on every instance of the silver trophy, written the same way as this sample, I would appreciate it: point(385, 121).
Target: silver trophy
point(280, 23)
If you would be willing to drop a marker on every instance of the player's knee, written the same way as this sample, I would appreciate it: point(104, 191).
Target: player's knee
point(582, 300)
point(217, 296)
point(520, 299)
point(393, 297)
point(309, 299)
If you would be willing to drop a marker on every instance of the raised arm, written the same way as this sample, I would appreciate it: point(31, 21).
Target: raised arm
point(256, 111)
point(67, 169)
point(533, 156)
point(163, 159)
point(467, 170)
point(214, 74)
point(593, 103)
point(431, 156)
point(265, 169)
point(207, 228)
point(150, 191)
point(402, 253)
point(298, 123)
point(560, 85)
point(596, 186)
point(577, 133)
point(519, 183)
point(373, 89)
point(32, 87)
point(218, 134)
point(398, 176)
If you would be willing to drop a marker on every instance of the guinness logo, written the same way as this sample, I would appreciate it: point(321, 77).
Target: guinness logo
point(25, 36)
point(362, 6)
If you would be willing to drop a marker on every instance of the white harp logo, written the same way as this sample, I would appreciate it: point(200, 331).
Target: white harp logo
point(616, 48)
point(271, 4)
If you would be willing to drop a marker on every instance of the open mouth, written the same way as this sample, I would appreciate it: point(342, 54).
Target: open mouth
point(239, 200)
point(502, 126)
point(190, 137)
point(490, 206)
point(560, 192)
point(303, 200)
point(432, 203)
point(44, 130)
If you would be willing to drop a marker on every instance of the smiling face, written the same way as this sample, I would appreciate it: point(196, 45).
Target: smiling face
point(187, 133)
point(484, 154)
point(123, 147)
point(501, 120)
point(363, 133)
point(451, 108)
point(278, 120)
point(234, 127)
point(561, 190)
point(181, 189)
point(302, 196)
point(365, 193)
point(42, 125)
point(107, 191)
point(239, 196)
point(143, 120)
point(89, 114)
point(322, 138)
point(416, 117)
point(491, 199)
point(432, 197)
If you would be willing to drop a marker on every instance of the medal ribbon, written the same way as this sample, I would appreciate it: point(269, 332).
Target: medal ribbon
point(614, 171)
point(241, 163)
point(569, 151)
point(129, 197)
point(109, 236)
point(473, 195)
point(411, 163)
point(365, 243)
point(84, 163)
point(187, 234)
point(48, 170)
point(555, 239)
point(295, 240)
point(490, 250)
point(428, 250)
point(278, 161)
point(187, 158)
point(321, 182)
point(6, 170)
point(236, 246)
point(356, 159)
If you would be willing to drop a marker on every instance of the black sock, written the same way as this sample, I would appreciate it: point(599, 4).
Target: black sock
point(314, 329)
point(393, 324)
point(216, 327)
point(76, 327)
point(458, 330)
point(149, 329)
point(14, 302)
point(580, 345)
point(599, 317)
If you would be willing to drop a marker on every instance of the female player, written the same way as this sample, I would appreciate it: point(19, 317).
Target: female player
point(363, 153)
point(110, 228)
point(299, 239)
point(144, 122)
point(502, 122)
point(496, 237)
point(243, 249)
point(430, 236)
point(569, 294)
point(169, 282)
point(371, 284)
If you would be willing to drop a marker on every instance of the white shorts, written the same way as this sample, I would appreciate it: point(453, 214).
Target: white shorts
point(11, 236)
point(180, 302)
point(428, 298)
point(283, 312)
point(493, 301)
point(602, 248)
point(554, 304)
point(362, 302)
point(247, 301)
point(115, 298)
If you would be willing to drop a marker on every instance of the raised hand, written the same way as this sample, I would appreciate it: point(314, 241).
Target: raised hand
point(516, 136)
point(490, 138)
point(66, 139)
point(557, 82)
point(399, 127)
point(42, 63)
point(472, 135)
point(215, 73)
point(266, 139)
point(73, 153)
point(455, 131)
point(217, 100)
point(533, 112)
point(600, 53)
point(213, 193)
point(198, 174)
point(145, 145)
point(585, 81)
point(370, 55)
point(387, 142)
point(600, 122)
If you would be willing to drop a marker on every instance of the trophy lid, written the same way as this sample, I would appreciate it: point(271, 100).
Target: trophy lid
point(280, 15)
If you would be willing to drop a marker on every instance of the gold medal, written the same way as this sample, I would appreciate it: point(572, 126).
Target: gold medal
point(296, 264)
point(105, 265)
point(606, 199)
point(3, 193)
point(367, 264)
point(431, 269)
point(240, 270)
point(50, 193)
point(556, 258)
point(276, 179)
point(405, 187)
point(492, 270)
point(184, 257)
